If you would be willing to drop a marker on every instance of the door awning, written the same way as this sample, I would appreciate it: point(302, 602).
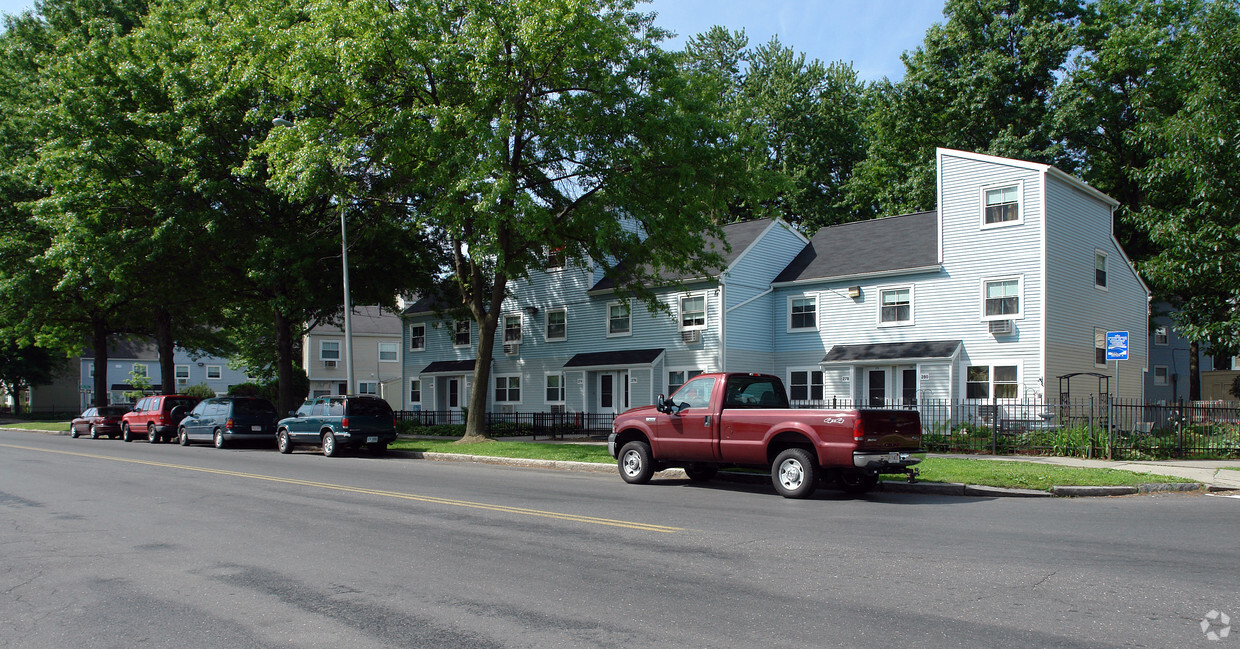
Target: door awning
point(449, 367)
point(922, 350)
point(623, 359)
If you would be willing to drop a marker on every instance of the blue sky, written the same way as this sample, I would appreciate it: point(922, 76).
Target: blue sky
point(869, 33)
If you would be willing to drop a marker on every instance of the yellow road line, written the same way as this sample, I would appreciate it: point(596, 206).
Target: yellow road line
point(375, 492)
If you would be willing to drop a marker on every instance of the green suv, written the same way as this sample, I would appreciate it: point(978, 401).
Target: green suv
point(339, 422)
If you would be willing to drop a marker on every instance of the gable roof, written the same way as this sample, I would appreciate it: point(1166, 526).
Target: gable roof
point(366, 320)
point(739, 235)
point(893, 243)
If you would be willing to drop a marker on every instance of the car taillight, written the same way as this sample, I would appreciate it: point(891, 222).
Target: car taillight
point(858, 430)
point(228, 423)
point(344, 423)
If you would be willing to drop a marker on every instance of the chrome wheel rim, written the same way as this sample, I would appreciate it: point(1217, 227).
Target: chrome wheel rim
point(632, 463)
point(791, 474)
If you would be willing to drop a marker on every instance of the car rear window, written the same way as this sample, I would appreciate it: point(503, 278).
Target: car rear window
point(369, 408)
point(253, 407)
point(112, 411)
point(189, 403)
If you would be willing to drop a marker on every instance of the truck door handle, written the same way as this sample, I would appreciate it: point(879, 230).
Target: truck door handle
point(706, 420)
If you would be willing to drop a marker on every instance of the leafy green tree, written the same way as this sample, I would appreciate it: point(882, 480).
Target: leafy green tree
point(981, 81)
point(508, 129)
point(23, 367)
point(1192, 216)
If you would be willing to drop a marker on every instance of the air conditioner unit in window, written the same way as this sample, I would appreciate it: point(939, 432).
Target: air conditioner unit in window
point(1000, 327)
point(182, 381)
point(690, 337)
point(512, 348)
point(331, 365)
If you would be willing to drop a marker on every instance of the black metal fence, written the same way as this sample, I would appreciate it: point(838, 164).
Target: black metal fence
point(1097, 428)
point(1091, 428)
point(512, 424)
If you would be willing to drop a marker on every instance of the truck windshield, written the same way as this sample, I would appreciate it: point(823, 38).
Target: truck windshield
point(755, 392)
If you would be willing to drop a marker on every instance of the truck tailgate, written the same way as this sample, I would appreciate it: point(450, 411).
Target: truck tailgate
point(889, 430)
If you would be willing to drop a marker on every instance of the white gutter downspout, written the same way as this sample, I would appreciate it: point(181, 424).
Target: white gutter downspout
point(723, 322)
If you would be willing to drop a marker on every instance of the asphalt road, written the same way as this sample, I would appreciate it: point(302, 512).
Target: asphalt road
point(106, 544)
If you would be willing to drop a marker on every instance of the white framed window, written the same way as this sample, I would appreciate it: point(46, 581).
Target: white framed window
point(90, 370)
point(214, 373)
point(329, 350)
point(1160, 375)
point(895, 306)
point(805, 384)
point(1001, 298)
point(461, 335)
point(1100, 269)
point(678, 377)
point(139, 369)
point(1100, 347)
point(556, 325)
point(512, 328)
point(693, 312)
point(388, 352)
point(368, 387)
point(555, 258)
point(415, 392)
point(417, 338)
point(1160, 335)
point(619, 319)
point(1003, 205)
point(998, 381)
point(555, 391)
point(182, 374)
point(802, 313)
point(508, 389)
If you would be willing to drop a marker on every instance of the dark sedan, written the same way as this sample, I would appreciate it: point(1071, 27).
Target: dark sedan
point(98, 422)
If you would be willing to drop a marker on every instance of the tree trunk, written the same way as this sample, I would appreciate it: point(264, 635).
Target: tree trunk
point(284, 365)
point(1194, 372)
point(166, 347)
point(99, 334)
point(476, 422)
point(17, 400)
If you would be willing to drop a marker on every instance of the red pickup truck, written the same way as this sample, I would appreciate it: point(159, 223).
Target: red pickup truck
point(744, 420)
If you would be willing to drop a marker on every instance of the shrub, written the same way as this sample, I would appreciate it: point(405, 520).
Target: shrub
point(202, 391)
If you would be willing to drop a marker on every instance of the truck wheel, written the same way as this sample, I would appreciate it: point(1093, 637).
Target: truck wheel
point(795, 473)
point(125, 434)
point(219, 440)
point(329, 444)
point(636, 465)
point(283, 442)
point(151, 436)
point(183, 437)
point(701, 471)
point(855, 482)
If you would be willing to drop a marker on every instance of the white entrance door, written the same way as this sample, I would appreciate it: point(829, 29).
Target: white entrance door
point(613, 392)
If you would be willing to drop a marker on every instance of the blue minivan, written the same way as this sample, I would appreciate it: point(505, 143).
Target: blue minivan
point(224, 420)
point(339, 422)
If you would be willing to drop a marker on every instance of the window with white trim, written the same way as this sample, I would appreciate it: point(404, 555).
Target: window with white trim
point(805, 385)
point(512, 328)
point(417, 338)
point(981, 381)
point(1001, 205)
point(214, 372)
point(555, 258)
point(368, 387)
point(1160, 375)
point(1100, 347)
point(387, 352)
point(1100, 269)
point(90, 370)
point(1160, 335)
point(692, 312)
point(329, 350)
point(182, 374)
point(461, 337)
point(139, 369)
point(415, 391)
point(895, 306)
point(677, 378)
point(557, 325)
point(803, 313)
point(619, 319)
point(1001, 298)
point(555, 391)
point(508, 389)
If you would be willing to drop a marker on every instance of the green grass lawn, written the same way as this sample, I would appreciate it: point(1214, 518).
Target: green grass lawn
point(993, 473)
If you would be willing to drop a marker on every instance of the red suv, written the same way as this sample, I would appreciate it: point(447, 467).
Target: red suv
point(156, 417)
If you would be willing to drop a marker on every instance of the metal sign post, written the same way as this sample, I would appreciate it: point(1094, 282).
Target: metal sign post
point(1117, 350)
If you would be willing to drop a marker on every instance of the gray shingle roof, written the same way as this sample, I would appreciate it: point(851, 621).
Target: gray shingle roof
point(367, 320)
point(739, 235)
point(866, 247)
point(893, 351)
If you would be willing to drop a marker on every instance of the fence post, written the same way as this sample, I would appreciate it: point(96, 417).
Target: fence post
point(1179, 432)
point(1090, 454)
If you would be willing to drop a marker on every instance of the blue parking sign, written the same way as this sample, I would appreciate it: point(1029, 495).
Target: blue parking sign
point(1117, 345)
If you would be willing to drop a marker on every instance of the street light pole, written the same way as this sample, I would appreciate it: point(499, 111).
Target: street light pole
point(344, 263)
